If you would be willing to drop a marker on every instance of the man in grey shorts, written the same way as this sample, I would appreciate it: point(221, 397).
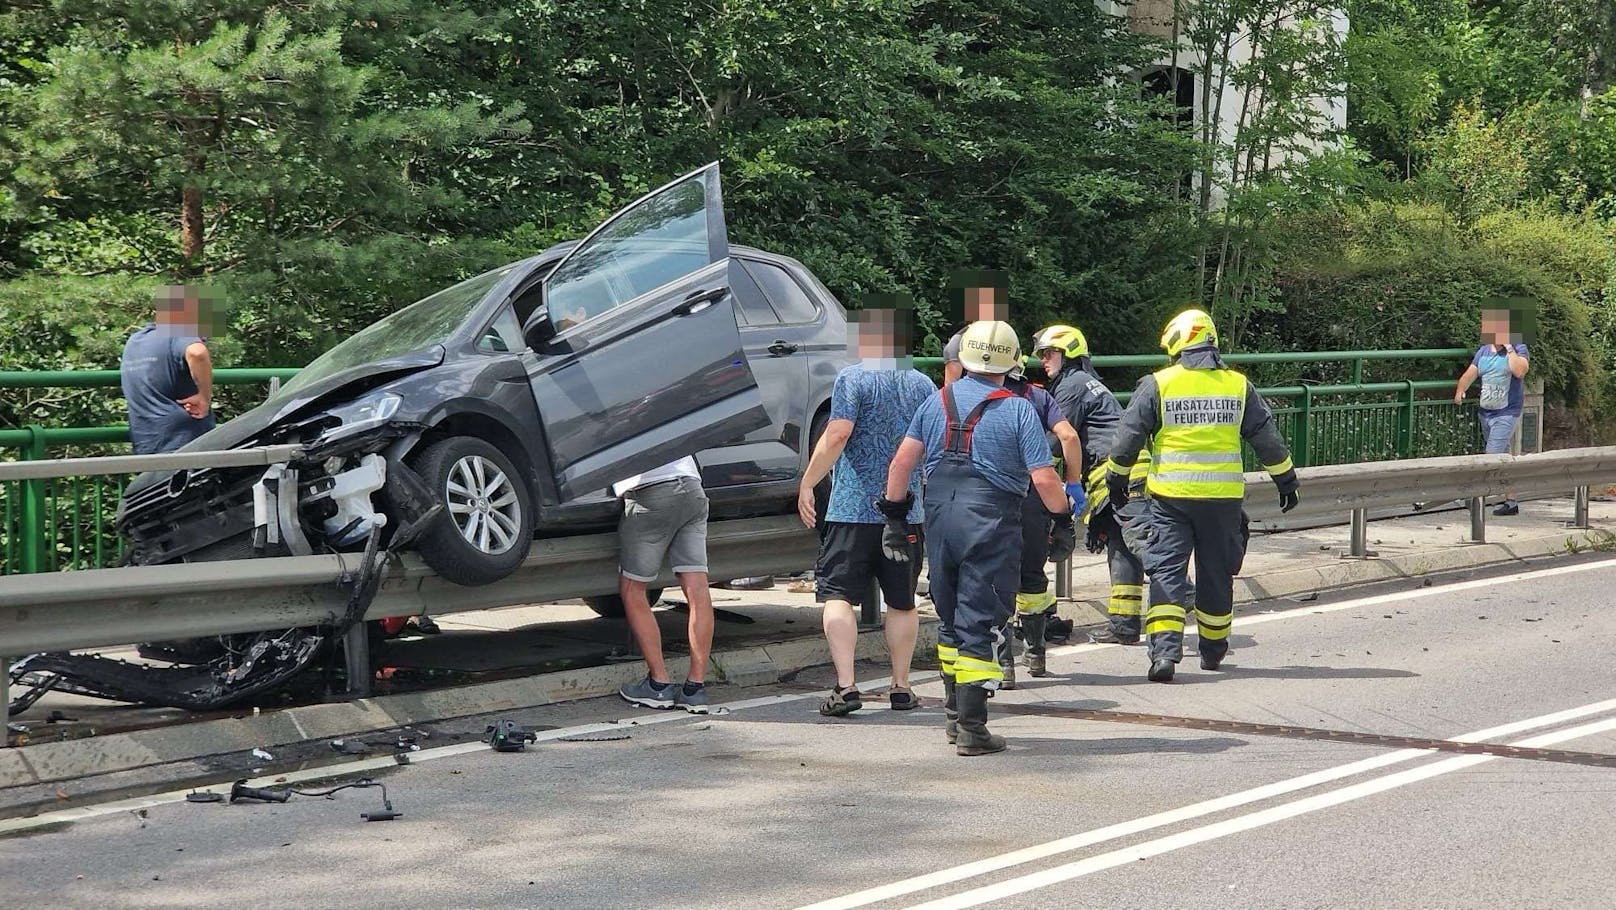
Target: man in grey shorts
point(665, 515)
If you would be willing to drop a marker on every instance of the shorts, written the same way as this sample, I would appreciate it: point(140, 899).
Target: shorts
point(1498, 431)
point(667, 519)
point(850, 556)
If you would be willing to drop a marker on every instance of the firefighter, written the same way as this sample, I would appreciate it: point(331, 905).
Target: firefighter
point(1090, 407)
point(979, 443)
point(1038, 544)
point(1193, 415)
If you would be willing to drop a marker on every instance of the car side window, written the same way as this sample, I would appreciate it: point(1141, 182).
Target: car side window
point(503, 335)
point(751, 306)
point(789, 299)
point(651, 244)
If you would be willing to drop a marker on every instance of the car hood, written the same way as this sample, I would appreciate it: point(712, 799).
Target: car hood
point(249, 428)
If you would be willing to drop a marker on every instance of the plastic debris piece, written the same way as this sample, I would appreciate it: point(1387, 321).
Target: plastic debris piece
point(595, 738)
point(262, 755)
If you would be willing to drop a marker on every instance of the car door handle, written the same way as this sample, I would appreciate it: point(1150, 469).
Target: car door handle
point(782, 348)
point(700, 300)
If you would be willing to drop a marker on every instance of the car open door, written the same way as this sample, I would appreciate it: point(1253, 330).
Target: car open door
point(638, 360)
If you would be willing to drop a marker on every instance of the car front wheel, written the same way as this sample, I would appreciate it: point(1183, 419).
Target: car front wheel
point(486, 526)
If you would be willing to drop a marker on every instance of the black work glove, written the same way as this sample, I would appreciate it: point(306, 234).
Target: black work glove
point(1095, 541)
point(1289, 487)
point(1062, 536)
point(1116, 487)
point(897, 540)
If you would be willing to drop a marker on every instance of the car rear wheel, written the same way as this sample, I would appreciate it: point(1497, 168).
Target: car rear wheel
point(486, 526)
point(611, 605)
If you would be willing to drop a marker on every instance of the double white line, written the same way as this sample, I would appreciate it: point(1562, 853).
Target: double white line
point(1255, 819)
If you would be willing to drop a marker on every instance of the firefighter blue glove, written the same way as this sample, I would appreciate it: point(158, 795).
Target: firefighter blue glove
point(1288, 486)
point(1062, 536)
point(898, 539)
point(1078, 495)
point(1116, 487)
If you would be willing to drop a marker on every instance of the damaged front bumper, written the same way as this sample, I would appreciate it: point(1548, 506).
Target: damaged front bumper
point(355, 495)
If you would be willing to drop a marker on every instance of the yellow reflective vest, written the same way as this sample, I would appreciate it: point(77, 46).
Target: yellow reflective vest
point(1196, 453)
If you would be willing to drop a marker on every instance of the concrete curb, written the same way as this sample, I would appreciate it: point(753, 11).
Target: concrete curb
point(117, 752)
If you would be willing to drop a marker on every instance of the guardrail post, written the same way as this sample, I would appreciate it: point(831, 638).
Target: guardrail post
point(356, 657)
point(32, 530)
point(1579, 507)
point(1063, 579)
point(1478, 519)
point(1405, 421)
point(5, 701)
point(1357, 371)
point(1360, 533)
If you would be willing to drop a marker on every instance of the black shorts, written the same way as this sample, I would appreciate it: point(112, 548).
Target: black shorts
point(850, 556)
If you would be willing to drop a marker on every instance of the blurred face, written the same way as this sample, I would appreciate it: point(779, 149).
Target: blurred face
point(985, 304)
point(879, 333)
point(184, 309)
point(1495, 327)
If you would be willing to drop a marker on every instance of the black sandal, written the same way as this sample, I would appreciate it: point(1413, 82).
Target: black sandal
point(902, 700)
point(841, 702)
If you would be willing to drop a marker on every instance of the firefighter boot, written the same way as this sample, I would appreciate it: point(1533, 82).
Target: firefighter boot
point(951, 708)
point(1162, 670)
point(1033, 626)
point(974, 738)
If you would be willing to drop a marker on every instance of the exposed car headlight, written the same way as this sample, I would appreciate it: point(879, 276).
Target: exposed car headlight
point(360, 415)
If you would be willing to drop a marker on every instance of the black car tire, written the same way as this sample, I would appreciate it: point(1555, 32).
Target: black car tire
point(444, 544)
point(611, 605)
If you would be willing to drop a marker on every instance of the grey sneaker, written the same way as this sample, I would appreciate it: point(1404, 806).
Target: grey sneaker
point(695, 702)
point(648, 694)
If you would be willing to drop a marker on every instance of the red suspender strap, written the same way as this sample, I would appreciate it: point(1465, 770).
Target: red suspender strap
point(951, 418)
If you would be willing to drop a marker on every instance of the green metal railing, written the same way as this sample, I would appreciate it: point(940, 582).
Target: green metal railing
point(66, 523)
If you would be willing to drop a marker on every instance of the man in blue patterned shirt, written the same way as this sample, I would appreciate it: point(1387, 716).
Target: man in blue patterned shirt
point(871, 407)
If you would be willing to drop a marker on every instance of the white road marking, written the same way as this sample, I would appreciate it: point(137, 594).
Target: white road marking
point(1186, 813)
point(1283, 812)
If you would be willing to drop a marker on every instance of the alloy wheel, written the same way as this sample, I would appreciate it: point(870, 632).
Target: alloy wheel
point(483, 503)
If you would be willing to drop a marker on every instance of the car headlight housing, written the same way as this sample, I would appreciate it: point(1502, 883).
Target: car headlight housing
point(360, 415)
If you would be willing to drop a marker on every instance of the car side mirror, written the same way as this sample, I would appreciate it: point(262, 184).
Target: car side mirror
point(538, 330)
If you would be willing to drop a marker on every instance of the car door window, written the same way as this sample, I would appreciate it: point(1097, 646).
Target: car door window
point(751, 306)
point(650, 244)
point(789, 299)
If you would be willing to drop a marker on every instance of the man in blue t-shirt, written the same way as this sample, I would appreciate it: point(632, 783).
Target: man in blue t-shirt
point(167, 375)
point(871, 406)
point(1501, 365)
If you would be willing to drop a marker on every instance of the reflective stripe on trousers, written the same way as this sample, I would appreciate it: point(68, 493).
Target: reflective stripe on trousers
point(1207, 531)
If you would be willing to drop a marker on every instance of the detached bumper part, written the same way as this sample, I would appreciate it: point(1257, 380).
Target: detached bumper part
point(350, 491)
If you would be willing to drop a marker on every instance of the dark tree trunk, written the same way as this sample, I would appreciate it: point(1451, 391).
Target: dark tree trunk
point(191, 225)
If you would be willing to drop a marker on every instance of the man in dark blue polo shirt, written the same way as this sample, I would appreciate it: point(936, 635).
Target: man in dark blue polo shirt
point(167, 375)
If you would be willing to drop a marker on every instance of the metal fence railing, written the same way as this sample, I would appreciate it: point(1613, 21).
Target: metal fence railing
point(67, 523)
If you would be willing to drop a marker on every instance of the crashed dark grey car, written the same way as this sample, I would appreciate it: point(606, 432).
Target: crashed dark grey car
point(502, 408)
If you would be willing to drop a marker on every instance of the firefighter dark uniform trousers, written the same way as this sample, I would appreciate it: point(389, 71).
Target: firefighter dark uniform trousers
point(1195, 419)
point(973, 551)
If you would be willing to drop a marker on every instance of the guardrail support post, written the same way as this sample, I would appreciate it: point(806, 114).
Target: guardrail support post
point(1360, 533)
point(1063, 580)
point(1478, 519)
point(356, 656)
point(1579, 507)
point(32, 530)
point(5, 701)
point(1405, 421)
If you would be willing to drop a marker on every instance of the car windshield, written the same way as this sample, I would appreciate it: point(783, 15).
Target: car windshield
point(425, 322)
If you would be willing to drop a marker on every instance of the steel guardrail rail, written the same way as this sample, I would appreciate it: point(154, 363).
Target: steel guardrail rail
point(135, 464)
point(95, 608)
point(106, 607)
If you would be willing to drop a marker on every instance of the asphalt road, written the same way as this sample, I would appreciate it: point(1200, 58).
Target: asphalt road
point(772, 806)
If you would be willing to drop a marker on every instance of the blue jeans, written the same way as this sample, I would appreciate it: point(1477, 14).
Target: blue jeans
point(1497, 430)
